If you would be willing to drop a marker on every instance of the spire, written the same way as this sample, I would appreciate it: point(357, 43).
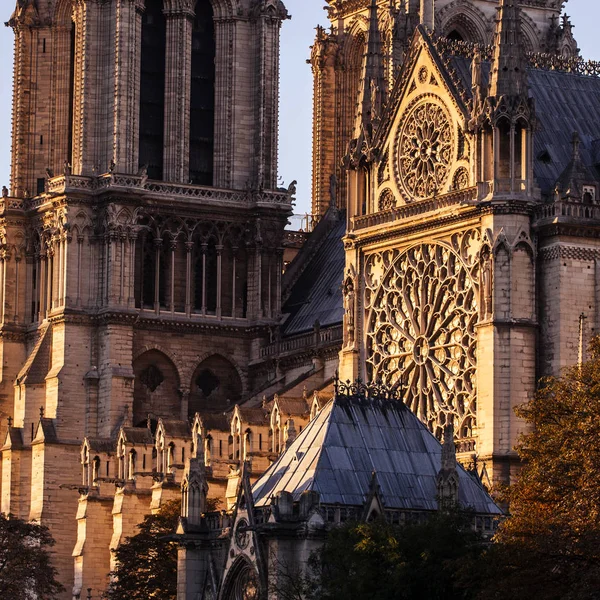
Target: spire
point(576, 174)
point(372, 85)
point(509, 75)
point(428, 14)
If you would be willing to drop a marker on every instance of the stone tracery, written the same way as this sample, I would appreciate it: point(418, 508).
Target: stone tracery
point(425, 150)
point(422, 310)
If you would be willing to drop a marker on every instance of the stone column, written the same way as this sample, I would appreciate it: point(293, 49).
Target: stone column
point(128, 36)
point(179, 16)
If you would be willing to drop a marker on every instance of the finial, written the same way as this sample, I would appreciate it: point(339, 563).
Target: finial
point(509, 75)
point(41, 412)
point(576, 143)
point(9, 422)
point(89, 596)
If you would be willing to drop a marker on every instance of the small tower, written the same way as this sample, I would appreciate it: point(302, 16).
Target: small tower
point(368, 115)
point(447, 478)
point(503, 118)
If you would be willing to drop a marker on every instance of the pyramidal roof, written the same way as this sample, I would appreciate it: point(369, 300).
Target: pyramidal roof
point(338, 451)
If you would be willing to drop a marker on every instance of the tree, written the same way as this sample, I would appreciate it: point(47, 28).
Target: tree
point(26, 569)
point(548, 547)
point(379, 561)
point(146, 563)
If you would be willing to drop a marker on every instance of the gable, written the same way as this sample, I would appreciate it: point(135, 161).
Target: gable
point(424, 147)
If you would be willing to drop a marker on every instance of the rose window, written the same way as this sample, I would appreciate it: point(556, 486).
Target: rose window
point(425, 150)
point(421, 338)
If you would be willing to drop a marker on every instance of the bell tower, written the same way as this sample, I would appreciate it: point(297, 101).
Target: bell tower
point(142, 237)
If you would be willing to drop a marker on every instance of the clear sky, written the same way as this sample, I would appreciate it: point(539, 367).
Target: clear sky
point(296, 83)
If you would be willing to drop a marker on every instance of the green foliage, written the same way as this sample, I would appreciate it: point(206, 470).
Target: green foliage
point(378, 561)
point(548, 548)
point(146, 563)
point(26, 570)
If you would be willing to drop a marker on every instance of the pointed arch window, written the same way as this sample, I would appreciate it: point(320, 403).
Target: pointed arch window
point(152, 88)
point(202, 113)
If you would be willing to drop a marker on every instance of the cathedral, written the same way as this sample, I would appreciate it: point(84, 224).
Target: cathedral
point(164, 335)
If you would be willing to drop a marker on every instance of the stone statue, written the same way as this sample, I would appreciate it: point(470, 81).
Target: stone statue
point(374, 98)
point(292, 188)
point(486, 284)
point(349, 308)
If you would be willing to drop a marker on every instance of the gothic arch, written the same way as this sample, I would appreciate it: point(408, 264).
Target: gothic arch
point(242, 581)
point(63, 12)
point(531, 33)
point(156, 388)
point(467, 20)
point(226, 9)
point(215, 383)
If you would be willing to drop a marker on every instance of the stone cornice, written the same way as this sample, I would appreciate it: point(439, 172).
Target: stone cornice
point(560, 251)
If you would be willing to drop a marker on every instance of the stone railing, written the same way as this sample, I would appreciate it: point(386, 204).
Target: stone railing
point(414, 209)
point(67, 183)
point(317, 338)
point(535, 60)
point(10, 203)
point(567, 210)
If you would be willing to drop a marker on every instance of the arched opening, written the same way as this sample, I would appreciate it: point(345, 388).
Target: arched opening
point(151, 272)
point(215, 385)
point(152, 88)
point(63, 84)
point(242, 582)
point(202, 108)
point(155, 389)
point(455, 36)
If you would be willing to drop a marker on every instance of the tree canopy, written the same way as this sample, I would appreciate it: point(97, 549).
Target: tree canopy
point(26, 569)
point(380, 561)
point(548, 547)
point(146, 563)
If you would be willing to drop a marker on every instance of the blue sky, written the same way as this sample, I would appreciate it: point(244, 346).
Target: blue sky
point(296, 84)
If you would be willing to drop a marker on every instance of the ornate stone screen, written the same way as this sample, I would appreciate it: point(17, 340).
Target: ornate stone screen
point(421, 312)
point(425, 148)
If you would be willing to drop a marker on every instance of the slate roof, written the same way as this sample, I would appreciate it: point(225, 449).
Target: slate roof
point(101, 445)
point(293, 406)
point(138, 435)
point(317, 293)
point(253, 416)
point(175, 428)
point(564, 103)
point(337, 452)
point(216, 421)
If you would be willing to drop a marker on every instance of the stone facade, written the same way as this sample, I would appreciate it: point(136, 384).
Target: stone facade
point(142, 246)
point(150, 343)
point(337, 61)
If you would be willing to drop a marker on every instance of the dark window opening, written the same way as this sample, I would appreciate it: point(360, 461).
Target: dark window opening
point(455, 36)
point(207, 382)
point(152, 89)
point(41, 185)
point(202, 113)
point(145, 277)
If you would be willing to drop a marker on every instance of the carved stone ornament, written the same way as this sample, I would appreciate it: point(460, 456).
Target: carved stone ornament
point(425, 149)
point(242, 537)
point(422, 310)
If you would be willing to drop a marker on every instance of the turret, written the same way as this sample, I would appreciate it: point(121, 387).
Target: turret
point(370, 103)
point(504, 117)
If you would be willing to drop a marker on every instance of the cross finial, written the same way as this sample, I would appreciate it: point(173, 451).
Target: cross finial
point(41, 412)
